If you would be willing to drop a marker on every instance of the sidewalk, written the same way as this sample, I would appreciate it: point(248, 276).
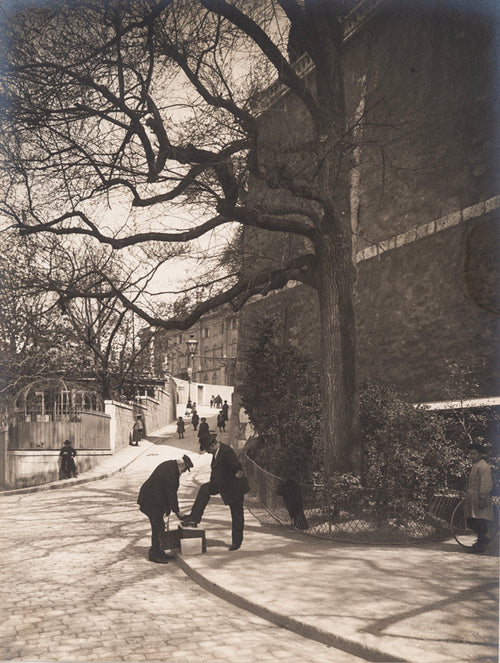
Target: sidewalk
point(118, 461)
point(426, 603)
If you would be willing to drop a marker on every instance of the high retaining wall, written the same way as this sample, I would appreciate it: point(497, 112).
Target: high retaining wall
point(425, 203)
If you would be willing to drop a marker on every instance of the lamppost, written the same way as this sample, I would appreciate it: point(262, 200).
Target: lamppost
point(192, 344)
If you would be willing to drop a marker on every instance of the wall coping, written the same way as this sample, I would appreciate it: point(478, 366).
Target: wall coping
point(430, 228)
point(462, 404)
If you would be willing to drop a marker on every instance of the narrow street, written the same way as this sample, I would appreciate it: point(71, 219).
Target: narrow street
point(77, 585)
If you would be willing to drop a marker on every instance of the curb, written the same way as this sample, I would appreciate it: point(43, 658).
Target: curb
point(291, 624)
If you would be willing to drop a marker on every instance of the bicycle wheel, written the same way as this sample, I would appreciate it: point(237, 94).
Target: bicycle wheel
point(463, 534)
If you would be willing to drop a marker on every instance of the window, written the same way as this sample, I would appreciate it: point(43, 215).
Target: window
point(222, 327)
point(233, 323)
point(207, 332)
point(214, 378)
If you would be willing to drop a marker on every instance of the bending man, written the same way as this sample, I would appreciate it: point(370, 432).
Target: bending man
point(158, 497)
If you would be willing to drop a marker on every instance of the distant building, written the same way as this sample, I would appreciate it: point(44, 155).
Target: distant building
point(213, 363)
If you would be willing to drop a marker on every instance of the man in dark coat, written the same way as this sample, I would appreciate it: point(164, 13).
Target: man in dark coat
point(228, 480)
point(158, 497)
point(68, 466)
point(203, 431)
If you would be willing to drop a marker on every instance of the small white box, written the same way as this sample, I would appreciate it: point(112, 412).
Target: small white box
point(191, 546)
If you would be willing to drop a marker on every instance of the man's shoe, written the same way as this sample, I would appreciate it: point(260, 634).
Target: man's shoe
point(158, 556)
point(234, 547)
point(188, 523)
point(158, 559)
point(164, 555)
point(477, 549)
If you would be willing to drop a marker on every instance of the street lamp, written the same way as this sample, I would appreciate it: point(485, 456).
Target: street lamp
point(192, 344)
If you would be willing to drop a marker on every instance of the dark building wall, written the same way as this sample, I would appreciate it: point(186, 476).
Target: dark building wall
point(426, 203)
point(409, 327)
point(429, 139)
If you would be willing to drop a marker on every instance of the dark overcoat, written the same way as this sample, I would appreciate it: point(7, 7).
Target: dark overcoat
point(159, 492)
point(203, 430)
point(224, 467)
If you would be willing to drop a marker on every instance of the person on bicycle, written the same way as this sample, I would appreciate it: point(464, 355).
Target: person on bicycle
point(478, 502)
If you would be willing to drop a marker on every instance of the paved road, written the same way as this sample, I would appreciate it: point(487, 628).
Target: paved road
point(77, 586)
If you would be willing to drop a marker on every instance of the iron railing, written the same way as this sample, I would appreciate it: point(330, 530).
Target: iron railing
point(319, 518)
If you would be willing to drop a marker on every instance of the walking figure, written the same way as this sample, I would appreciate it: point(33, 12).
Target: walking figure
point(180, 428)
point(221, 422)
point(68, 467)
point(137, 431)
point(195, 419)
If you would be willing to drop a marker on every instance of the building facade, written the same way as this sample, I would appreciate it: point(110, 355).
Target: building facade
point(216, 334)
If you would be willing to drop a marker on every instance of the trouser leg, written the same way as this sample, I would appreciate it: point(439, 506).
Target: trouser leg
point(238, 521)
point(482, 531)
point(201, 501)
point(480, 527)
point(157, 528)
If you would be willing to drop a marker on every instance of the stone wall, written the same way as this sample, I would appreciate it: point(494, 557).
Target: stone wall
point(28, 467)
point(31, 467)
point(425, 203)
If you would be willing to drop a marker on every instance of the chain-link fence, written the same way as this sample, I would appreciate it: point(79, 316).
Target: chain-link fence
point(306, 507)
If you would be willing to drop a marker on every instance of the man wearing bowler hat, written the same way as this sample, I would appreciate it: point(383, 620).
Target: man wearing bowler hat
point(158, 497)
point(226, 478)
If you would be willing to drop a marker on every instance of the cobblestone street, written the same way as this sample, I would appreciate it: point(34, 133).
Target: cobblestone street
point(77, 585)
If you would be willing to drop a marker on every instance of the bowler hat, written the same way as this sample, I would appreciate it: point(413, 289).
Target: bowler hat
point(188, 462)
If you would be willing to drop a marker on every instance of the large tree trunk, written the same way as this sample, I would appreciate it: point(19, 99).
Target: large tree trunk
point(335, 270)
point(340, 417)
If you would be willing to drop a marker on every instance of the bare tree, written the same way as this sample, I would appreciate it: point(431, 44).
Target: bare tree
point(117, 344)
point(35, 340)
point(156, 109)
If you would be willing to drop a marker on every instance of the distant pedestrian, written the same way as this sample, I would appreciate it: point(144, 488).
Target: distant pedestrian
point(158, 497)
point(203, 430)
point(195, 420)
point(68, 467)
point(180, 428)
point(212, 400)
point(137, 431)
point(221, 422)
point(478, 502)
point(225, 411)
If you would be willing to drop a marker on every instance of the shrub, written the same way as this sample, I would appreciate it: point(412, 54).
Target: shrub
point(410, 453)
point(280, 392)
point(407, 456)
